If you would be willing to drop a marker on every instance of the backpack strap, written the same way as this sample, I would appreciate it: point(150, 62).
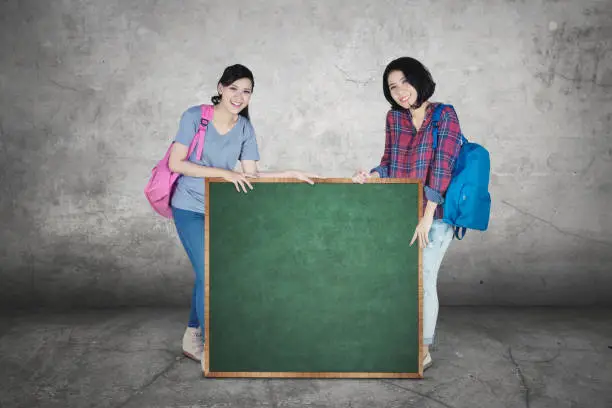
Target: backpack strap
point(456, 232)
point(436, 120)
point(207, 114)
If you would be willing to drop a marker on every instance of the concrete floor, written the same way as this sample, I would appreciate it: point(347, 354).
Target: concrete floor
point(485, 357)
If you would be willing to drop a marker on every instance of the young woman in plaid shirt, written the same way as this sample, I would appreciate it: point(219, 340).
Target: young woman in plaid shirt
point(408, 85)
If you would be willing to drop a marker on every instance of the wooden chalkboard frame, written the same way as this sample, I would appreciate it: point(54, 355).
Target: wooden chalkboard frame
point(254, 374)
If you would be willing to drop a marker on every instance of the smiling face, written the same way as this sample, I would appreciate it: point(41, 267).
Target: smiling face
point(404, 94)
point(236, 96)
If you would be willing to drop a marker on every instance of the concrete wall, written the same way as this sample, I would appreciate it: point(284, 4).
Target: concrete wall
point(91, 93)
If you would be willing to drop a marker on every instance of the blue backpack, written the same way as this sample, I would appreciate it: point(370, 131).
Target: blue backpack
point(467, 203)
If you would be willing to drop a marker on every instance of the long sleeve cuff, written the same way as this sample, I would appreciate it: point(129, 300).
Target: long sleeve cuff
point(382, 171)
point(433, 195)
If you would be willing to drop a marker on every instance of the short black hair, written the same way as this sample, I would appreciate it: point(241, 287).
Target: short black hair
point(416, 74)
point(229, 76)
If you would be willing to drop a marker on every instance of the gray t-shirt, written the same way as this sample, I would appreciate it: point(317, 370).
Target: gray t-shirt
point(221, 151)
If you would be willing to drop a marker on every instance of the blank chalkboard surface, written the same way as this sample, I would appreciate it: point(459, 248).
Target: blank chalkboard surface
point(313, 280)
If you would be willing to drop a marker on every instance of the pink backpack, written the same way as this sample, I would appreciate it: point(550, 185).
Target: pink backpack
point(161, 185)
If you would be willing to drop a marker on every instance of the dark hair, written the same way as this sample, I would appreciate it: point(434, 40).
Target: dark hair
point(416, 74)
point(230, 75)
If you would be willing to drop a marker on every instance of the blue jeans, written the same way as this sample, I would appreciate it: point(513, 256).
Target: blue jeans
point(440, 236)
point(190, 228)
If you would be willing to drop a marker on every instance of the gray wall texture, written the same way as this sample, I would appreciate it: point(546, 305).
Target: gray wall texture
point(92, 91)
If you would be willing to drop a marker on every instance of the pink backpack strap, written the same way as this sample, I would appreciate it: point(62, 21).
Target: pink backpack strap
point(207, 115)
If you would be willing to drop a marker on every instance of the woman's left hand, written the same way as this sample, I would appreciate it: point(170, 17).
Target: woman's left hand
point(422, 231)
point(300, 175)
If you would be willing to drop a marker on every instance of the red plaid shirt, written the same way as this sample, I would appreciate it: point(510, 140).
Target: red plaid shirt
point(410, 154)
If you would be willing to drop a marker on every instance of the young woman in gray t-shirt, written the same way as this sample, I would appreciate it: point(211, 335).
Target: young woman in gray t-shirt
point(229, 137)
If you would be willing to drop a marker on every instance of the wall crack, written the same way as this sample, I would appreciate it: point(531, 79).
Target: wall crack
point(550, 224)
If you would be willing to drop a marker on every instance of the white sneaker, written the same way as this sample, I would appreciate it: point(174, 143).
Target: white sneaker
point(193, 344)
point(427, 362)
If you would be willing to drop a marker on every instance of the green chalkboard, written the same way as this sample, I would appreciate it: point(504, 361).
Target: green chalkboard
point(313, 280)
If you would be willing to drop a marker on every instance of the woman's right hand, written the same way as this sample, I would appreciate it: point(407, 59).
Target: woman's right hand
point(360, 177)
point(239, 180)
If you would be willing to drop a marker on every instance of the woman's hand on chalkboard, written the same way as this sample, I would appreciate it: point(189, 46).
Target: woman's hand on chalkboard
point(300, 175)
point(361, 177)
point(239, 180)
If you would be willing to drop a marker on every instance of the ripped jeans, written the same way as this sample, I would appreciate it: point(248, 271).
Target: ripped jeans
point(440, 236)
